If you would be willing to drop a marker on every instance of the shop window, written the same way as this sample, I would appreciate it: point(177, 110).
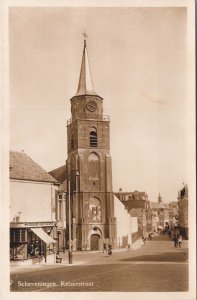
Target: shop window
point(11, 236)
point(19, 236)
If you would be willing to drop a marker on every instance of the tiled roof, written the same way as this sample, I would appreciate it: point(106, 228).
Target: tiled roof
point(59, 173)
point(24, 168)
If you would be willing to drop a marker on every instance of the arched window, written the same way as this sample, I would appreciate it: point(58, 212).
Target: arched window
point(93, 137)
point(93, 166)
point(94, 212)
point(94, 171)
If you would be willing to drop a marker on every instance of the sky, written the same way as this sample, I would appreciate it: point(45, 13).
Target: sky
point(139, 65)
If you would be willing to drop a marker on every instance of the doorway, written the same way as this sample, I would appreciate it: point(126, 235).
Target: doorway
point(94, 242)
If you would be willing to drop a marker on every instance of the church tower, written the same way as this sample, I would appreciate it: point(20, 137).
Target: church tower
point(88, 146)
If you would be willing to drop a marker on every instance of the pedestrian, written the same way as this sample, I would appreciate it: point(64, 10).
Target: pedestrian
point(175, 241)
point(31, 249)
point(144, 239)
point(179, 240)
point(128, 247)
point(109, 250)
point(104, 247)
point(37, 251)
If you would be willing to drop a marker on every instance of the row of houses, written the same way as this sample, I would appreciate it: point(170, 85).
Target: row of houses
point(156, 216)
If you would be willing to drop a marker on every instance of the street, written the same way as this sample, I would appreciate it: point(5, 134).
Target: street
point(156, 267)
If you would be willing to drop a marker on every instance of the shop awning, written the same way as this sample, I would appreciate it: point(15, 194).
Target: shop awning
point(43, 236)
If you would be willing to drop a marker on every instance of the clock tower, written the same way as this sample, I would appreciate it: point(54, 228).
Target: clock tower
point(88, 146)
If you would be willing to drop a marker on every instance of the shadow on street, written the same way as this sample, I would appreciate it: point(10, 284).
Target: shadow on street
point(181, 256)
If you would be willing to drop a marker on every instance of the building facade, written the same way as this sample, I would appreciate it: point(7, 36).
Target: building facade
point(160, 213)
point(173, 214)
point(137, 205)
point(126, 225)
point(183, 211)
point(33, 234)
point(60, 203)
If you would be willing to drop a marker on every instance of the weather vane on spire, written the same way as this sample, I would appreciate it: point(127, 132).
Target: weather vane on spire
point(85, 36)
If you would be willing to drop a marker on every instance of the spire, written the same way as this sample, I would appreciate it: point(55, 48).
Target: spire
point(159, 198)
point(85, 86)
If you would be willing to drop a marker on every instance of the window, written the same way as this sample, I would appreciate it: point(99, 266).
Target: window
point(60, 210)
point(19, 235)
point(94, 212)
point(93, 137)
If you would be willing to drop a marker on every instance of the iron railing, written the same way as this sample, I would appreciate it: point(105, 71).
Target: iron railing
point(90, 117)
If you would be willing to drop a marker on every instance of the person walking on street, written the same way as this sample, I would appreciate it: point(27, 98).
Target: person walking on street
point(175, 241)
point(179, 240)
point(144, 239)
point(109, 250)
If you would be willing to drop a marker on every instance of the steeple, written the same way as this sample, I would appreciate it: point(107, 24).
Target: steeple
point(85, 86)
point(159, 198)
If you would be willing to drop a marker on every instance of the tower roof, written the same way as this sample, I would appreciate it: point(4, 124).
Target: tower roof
point(85, 86)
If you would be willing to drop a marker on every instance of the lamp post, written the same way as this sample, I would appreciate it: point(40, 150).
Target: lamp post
point(69, 226)
point(70, 255)
point(58, 241)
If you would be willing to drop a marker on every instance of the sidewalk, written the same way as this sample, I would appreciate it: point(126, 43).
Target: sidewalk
point(79, 258)
point(137, 244)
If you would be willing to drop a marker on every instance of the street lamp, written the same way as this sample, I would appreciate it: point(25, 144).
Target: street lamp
point(58, 241)
point(69, 219)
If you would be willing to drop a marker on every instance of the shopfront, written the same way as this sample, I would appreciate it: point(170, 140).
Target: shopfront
point(33, 241)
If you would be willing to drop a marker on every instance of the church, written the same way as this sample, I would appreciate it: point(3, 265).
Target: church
point(87, 176)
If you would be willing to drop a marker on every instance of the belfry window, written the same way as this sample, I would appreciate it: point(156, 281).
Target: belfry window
point(93, 138)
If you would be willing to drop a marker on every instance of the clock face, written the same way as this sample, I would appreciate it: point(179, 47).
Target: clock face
point(91, 106)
